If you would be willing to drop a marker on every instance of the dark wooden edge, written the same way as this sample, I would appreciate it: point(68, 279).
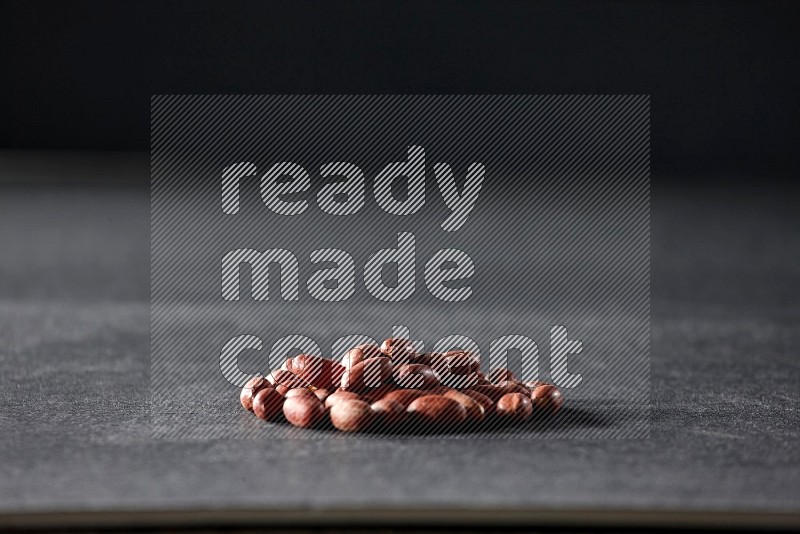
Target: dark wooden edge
point(405, 517)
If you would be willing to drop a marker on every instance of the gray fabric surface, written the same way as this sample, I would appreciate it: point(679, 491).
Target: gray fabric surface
point(74, 380)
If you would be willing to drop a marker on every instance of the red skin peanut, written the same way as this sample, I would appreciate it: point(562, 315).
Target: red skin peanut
point(317, 371)
point(404, 397)
point(251, 389)
point(515, 406)
point(415, 376)
point(394, 345)
point(267, 404)
point(379, 392)
point(459, 381)
point(337, 370)
point(459, 362)
point(339, 396)
point(423, 358)
point(303, 411)
point(491, 391)
point(322, 394)
point(487, 403)
point(475, 411)
point(388, 413)
point(482, 378)
point(401, 351)
point(367, 375)
point(547, 397)
point(514, 386)
point(499, 375)
point(436, 411)
point(285, 380)
point(533, 384)
point(370, 349)
point(298, 391)
point(351, 415)
point(496, 391)
point(359, 354)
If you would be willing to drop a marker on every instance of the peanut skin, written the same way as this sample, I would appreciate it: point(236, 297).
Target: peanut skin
point(416, 376)
point(388, 413)
point(315, 370)
point(499, 375)
point(394, 345)
point(339, 396)
point(436, 411)
point(359, 354)
point(322, 394)
point(459, 381)
point(483, 400)
point(367, 374)
point(298, 391)
point(404, 397)
point(459, 363)
point(304, 411)
point(378, 393)
point(513, 386)
point(285, 380)
point(267, 404)
point(547, 397)
point(351, 415)
point(514, 406)
point(490, 391)
point(251, 389)
point(475, 411)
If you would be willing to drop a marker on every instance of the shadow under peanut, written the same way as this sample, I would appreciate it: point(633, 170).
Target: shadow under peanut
point(566, 419)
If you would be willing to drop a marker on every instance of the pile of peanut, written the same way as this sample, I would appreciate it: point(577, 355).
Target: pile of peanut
point(392, 388)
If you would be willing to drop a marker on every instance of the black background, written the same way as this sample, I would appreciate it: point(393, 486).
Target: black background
point(722, 75)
